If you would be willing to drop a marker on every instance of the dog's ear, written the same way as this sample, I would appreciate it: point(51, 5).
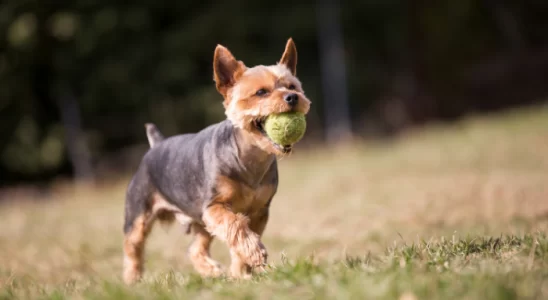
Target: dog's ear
point(226, 69)
point(289, 58)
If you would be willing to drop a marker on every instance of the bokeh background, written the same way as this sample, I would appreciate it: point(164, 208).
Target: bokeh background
point(423, 173)
point(78, 79)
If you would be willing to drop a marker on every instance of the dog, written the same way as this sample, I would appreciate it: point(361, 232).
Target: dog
point(220, 181)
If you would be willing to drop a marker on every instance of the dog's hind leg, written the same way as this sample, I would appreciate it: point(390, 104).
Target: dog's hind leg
point(139, 219)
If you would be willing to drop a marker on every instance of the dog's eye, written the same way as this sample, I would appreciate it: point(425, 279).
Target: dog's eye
point(261, 92)
point(291, 87)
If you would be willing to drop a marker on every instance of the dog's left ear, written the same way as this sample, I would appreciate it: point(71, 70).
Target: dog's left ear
point(289, 58)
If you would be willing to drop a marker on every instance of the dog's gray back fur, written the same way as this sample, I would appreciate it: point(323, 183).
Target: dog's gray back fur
point(184, 169)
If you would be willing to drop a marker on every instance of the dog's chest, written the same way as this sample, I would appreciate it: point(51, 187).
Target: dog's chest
point(250, 199)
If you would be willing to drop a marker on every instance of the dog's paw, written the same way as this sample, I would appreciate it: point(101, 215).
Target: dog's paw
point(215, 269)
point(253, 252)
point(131, 276)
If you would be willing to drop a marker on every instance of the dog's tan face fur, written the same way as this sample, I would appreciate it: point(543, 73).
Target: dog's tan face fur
point(251, 94)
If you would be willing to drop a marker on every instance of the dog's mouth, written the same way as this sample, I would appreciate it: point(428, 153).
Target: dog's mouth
point(259, 125)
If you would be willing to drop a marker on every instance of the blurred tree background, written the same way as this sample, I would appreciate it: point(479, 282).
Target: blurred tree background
point(78, 79)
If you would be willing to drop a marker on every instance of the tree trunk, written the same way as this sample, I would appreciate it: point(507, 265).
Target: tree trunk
point(507, 24)
point(77, 148)
point(420, 104)
point(333, 72)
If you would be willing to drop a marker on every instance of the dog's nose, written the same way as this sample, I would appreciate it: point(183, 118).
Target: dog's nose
point(291, 99)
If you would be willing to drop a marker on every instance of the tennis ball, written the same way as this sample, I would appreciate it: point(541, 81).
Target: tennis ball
point(285, 129)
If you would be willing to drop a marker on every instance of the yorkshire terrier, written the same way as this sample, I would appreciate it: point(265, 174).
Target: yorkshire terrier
point(220, 181)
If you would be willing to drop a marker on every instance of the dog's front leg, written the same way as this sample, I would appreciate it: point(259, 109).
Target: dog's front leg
point(246, 248)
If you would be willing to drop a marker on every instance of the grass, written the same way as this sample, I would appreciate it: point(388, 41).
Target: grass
point(496, 268)
point(450, 211)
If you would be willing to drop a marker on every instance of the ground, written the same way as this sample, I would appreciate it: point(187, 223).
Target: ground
point(449, 211)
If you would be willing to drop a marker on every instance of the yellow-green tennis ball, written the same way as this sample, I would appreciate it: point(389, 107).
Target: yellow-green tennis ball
point(285, 129)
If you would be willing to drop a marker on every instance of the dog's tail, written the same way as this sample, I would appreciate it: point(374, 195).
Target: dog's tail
point(153, 134)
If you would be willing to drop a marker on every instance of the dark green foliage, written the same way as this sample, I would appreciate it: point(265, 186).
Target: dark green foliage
point(127, 63)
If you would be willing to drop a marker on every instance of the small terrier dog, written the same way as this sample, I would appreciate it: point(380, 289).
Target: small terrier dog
point(220, 181)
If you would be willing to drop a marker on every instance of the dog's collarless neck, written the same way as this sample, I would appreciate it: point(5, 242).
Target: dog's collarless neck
point(254, 160)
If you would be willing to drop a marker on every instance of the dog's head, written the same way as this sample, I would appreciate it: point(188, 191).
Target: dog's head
point(251, 94)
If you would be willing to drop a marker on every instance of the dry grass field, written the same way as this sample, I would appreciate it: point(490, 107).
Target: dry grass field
point(454, 211)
